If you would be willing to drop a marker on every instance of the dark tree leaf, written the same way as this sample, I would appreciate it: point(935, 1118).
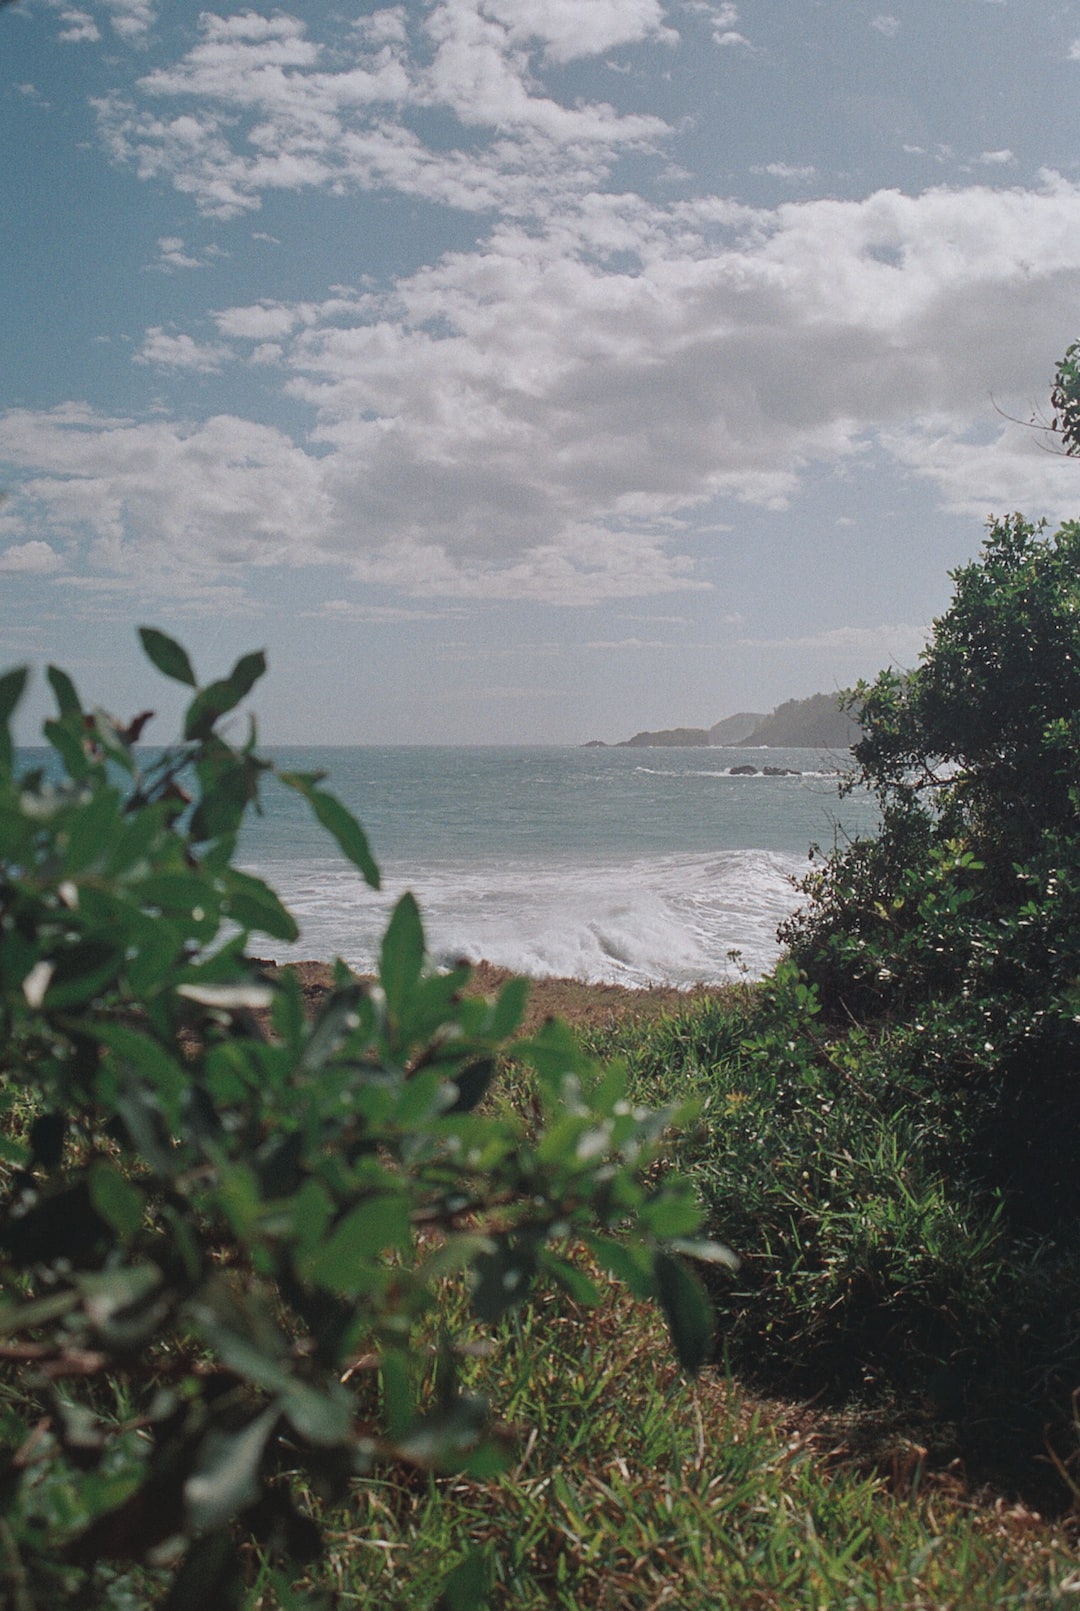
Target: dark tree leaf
point(218, 698)
point(168, 656)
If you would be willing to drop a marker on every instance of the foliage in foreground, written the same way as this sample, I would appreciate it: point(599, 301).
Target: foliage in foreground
point(217, 1246)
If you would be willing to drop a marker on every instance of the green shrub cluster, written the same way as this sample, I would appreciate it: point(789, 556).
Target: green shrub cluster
point(961, 920)
point(222, 1225)
point(891, 1125)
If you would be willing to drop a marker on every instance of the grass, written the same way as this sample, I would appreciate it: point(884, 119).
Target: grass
point(855, 1452)
point(631, 1489)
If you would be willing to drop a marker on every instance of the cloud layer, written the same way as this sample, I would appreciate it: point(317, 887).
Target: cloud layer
point(556, 412)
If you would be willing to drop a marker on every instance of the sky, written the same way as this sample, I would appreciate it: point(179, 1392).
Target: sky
point(522, 371)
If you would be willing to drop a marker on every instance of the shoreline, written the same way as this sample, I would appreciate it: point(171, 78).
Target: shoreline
point(582, 1005)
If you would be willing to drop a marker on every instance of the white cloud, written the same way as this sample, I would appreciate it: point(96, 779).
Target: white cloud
point(997, 159)
point(525, 420)
point(722, 16)
point(803, 173)
point(885, 24)
point(268, 109)
point(174, 254)
point(900, 643)
point(181, 352)
point(34, 558)
point(573, 28)
point(981, 473)
point(77, 27)
point(352, 613)
point(602, 645)
point(161, 506)
point(131, 19)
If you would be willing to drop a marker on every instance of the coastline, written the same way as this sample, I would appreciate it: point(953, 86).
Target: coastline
point(591, 1006)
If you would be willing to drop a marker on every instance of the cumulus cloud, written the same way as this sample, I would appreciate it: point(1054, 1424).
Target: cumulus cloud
point(526, 420)
point(160, 504)
point(722, 16)
point(77, 27)
point(533, 419)
point(172, 255)
point(561, 411)
point(131, 19)
point(167, 351)
point(34, 558)
point(569, 29)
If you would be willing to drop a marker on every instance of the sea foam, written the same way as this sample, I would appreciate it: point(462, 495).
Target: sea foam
point(653, 920)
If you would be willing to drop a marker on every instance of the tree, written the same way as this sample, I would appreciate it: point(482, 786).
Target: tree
point(231, 1246)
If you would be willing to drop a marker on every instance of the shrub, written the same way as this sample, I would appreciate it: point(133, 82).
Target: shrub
point(964, 913)
point(220, 1232)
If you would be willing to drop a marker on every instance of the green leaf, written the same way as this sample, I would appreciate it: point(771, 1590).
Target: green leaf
point(398, 1397)
point(687, 1311)
point(323, 1418)
point(338, 821)
point(12, 684)
point(468, 1586)
point(374, 1226)
point(67, 699)
point(218, 698)
point(705, 1250)
point(287, 1013)
point(473, 1082)
point(145, 1057)
point(16, 1317)
point(66, 738)
point(118, 1202)
point(225, 1480)
point(501, 1279)
point(627, 1262)
point(672, 1212)
point(509, 1008)
point(570, 1278)
point(167, 655)
point(81, 973)
point(401, 958)
point(92, 830)
point(254, 905)
point(337, 1019)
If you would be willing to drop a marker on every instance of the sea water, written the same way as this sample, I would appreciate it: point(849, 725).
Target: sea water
point(623, 865)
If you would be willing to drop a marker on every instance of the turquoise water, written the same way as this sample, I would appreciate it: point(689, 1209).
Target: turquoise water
point(635, 866)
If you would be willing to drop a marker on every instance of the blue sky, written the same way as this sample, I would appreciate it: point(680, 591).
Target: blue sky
point(523, 370)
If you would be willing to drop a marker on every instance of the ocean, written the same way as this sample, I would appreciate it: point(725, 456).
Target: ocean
point(629, 866)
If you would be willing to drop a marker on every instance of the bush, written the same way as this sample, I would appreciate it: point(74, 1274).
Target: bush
point(221, 1231)
point(964, 914)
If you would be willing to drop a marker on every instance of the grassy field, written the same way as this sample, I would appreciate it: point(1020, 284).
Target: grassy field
point(778, 1480)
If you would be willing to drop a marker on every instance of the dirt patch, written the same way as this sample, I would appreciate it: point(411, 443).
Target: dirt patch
point(585, 1006)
